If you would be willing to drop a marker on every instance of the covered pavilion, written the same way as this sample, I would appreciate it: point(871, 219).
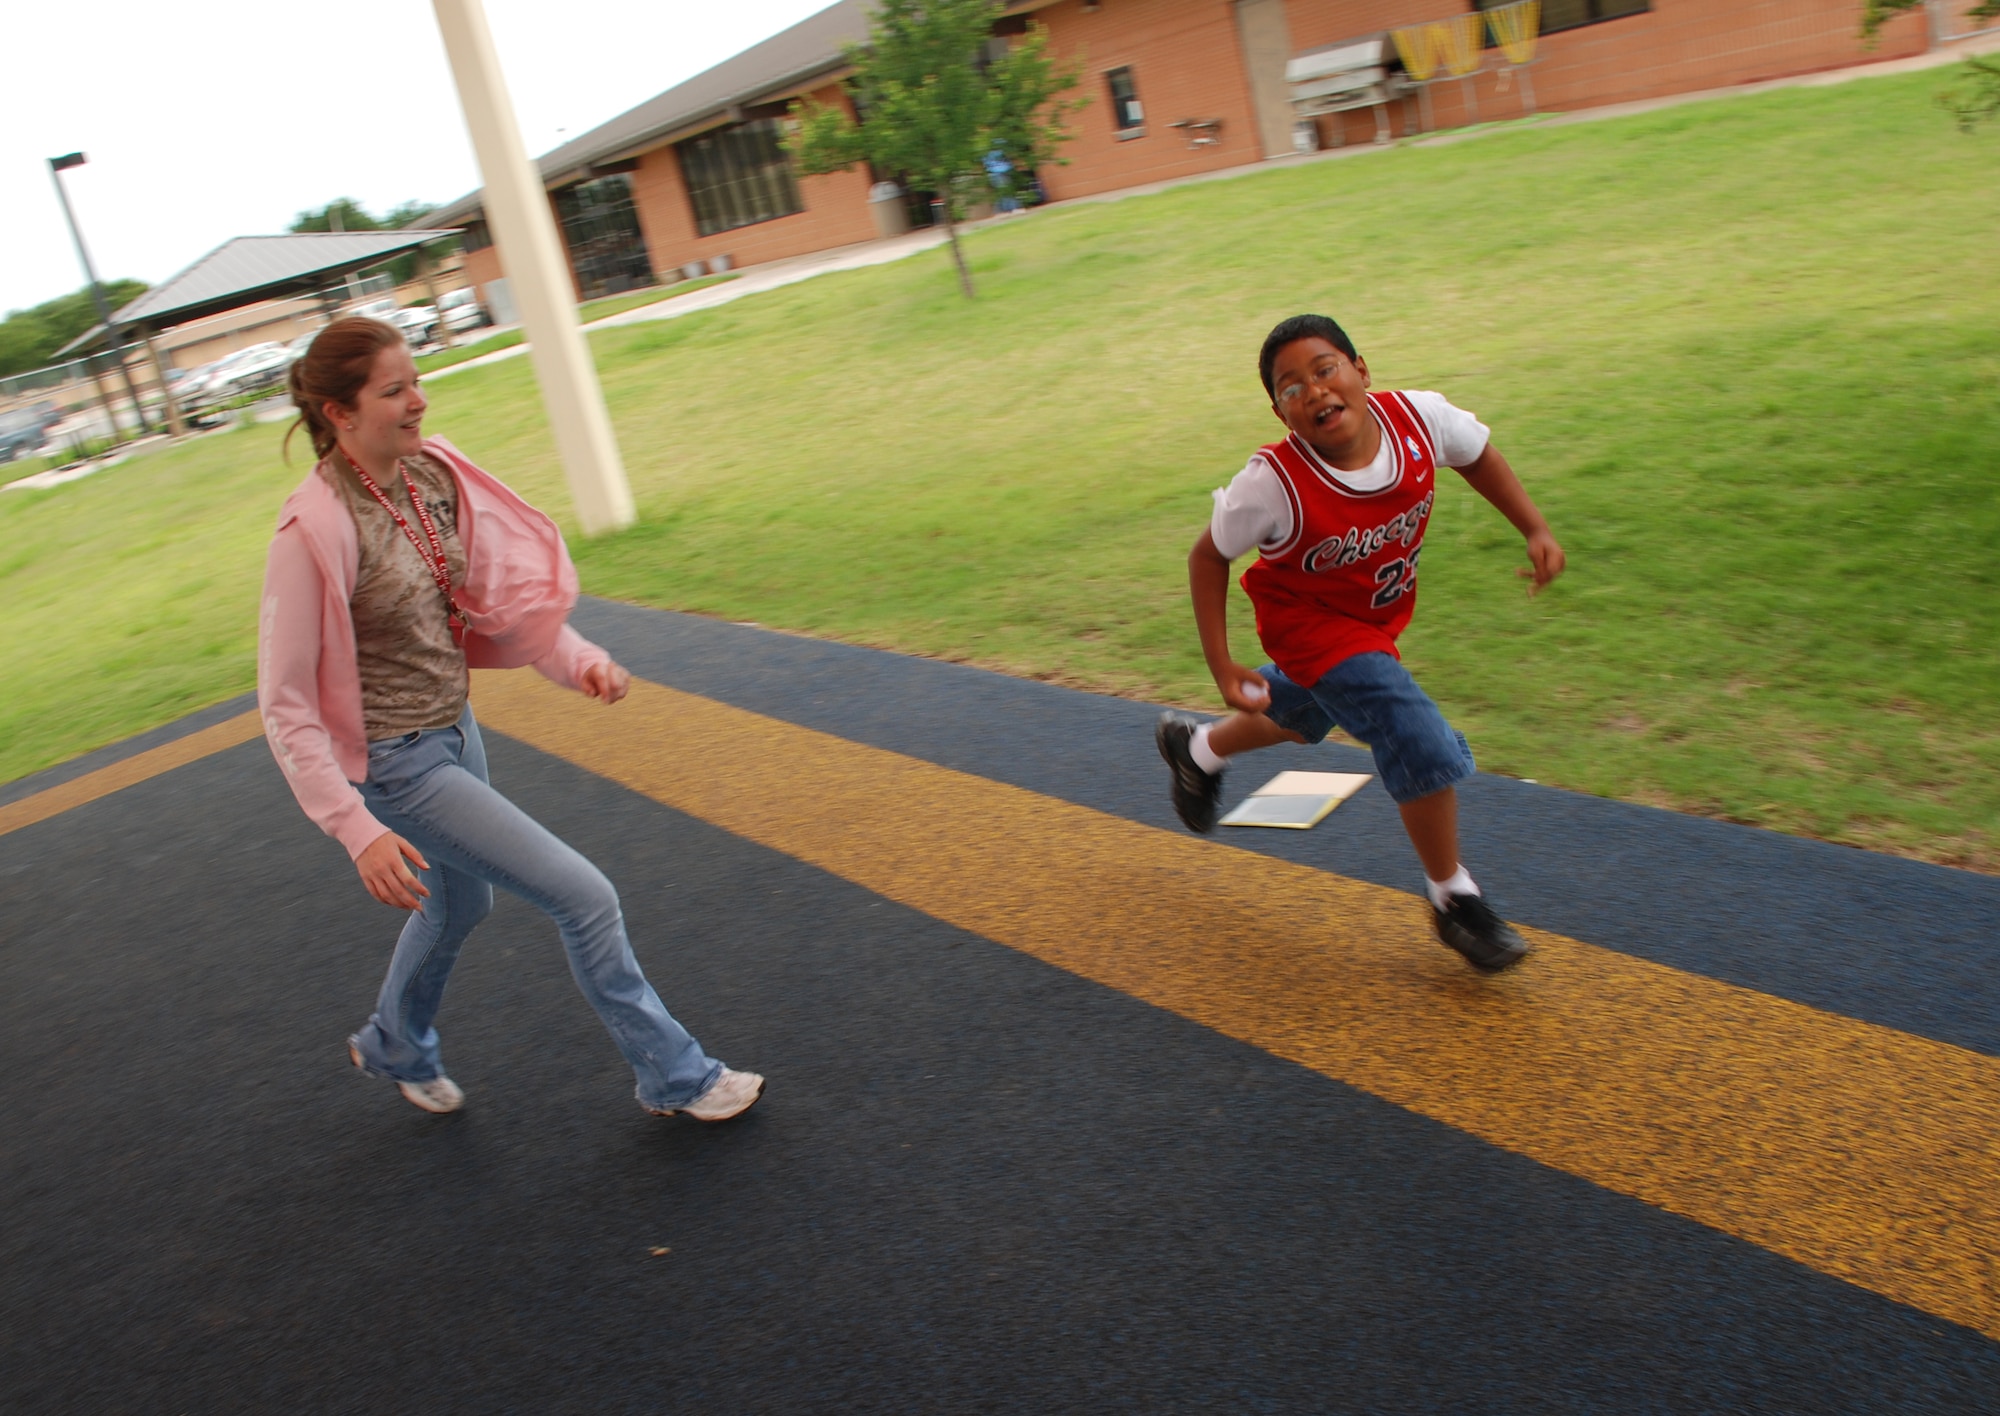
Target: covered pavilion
point(248, 270)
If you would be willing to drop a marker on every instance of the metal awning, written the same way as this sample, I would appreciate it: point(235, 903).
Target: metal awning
point(251, 269)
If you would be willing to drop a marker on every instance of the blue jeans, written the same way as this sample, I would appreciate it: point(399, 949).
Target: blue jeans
point(1373, 699)
point(430, 788)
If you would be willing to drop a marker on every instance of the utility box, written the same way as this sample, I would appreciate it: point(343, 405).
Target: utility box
point(885, 204)
point(499, 302)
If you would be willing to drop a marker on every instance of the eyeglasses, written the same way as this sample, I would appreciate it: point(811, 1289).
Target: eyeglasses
point(1321, 375)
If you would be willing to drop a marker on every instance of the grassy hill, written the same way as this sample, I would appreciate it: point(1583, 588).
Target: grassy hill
point(1742, 352)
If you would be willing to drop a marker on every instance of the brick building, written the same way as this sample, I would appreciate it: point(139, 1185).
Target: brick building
point(695, 177)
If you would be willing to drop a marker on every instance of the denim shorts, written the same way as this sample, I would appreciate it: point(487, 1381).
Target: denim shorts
point(1373, 699)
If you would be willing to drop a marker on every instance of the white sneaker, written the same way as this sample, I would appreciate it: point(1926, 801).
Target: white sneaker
point(439, 1094)
point(730, 1094)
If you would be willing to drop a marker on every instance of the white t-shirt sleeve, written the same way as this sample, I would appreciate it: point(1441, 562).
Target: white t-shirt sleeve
point(1458, 436)
point(1251, 511)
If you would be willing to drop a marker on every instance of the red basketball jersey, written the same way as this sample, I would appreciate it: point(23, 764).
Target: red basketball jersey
point(1344, 582)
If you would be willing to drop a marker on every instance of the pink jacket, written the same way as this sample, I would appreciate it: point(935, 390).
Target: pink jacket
point(518, 591)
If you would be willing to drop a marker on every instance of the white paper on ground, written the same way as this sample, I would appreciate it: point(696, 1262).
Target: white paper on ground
point(1296, 800)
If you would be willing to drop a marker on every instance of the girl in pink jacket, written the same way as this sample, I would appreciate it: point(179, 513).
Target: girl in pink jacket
point(398, 565)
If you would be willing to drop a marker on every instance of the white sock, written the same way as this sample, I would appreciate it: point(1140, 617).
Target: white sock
point(1204, 756)
point(1441, 891)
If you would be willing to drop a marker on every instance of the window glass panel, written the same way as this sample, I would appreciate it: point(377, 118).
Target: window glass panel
point(738, 176)
point(1126, 111)
point(1569, 14)
point(607, 250)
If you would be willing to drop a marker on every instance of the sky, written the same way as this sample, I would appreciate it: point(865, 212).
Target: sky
point(217, 118)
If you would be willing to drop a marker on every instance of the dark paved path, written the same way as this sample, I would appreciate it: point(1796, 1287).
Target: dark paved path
point(978, 1182)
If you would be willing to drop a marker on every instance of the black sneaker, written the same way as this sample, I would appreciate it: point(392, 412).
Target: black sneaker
point(1196, 793)
point(1470, 926)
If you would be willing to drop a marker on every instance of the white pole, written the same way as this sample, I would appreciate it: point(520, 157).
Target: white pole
point(517, 209)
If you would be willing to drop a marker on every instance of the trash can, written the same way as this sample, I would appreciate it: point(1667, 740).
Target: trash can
point(885, 204)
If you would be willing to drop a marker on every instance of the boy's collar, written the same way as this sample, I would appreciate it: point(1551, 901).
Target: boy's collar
point(1321, 460)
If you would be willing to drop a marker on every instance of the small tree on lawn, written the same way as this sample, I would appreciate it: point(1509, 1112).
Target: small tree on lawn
point(1875, 13)
point(1969, 106)
point(933, 109)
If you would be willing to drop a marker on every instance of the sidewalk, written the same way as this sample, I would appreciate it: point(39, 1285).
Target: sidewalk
point(752, 280)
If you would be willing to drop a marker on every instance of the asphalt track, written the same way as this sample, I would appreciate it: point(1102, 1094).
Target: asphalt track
point(1069, 1111)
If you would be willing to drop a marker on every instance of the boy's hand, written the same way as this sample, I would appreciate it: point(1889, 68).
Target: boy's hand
point(1491, 477)
point(1546, 561)
point(1244, 689)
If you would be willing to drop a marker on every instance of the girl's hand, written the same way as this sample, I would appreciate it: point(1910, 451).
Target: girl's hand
point(607, 682)
point(1243, 689)
point(385, 875)
point(1546, 561)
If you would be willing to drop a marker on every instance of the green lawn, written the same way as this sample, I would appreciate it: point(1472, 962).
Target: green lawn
point(587, 312)
point(459, 353)
point(611, 305)
point(1743, 353)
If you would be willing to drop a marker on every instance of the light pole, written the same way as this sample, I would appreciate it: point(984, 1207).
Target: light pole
point(58, 166)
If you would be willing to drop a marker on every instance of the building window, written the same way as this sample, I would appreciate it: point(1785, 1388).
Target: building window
point(1126, 112)
point(738, 176)
point(607, 250)
point(1571, 14)
point(474, 236)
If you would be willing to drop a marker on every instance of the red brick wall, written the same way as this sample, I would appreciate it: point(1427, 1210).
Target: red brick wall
point(1679, 46)
point(482, 266)
point(836, 214)
point(1186, 62)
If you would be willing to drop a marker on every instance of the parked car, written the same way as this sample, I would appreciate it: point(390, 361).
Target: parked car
point(248, 370)
point(186, 385)
point(23, 430)
point(419, 324)
point(462, 311)
point(296, 350)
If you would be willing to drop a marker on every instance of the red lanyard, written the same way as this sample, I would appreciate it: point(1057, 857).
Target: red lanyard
point(433, 555)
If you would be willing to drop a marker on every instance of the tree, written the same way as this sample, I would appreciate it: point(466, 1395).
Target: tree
point(340, 214)
point(29, 339)
point(346, 214)
point(1971, 105)
point(1876, 13)
point(935, 104)
point(1979, 102)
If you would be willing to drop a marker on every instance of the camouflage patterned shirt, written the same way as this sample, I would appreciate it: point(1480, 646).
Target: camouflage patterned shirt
point(412, 674)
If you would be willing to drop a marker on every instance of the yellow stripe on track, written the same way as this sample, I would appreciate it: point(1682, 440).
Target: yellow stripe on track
point(130, 772)
point(1866, 1153)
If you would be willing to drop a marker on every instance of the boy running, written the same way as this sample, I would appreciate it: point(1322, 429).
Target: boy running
point(1336, 513)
